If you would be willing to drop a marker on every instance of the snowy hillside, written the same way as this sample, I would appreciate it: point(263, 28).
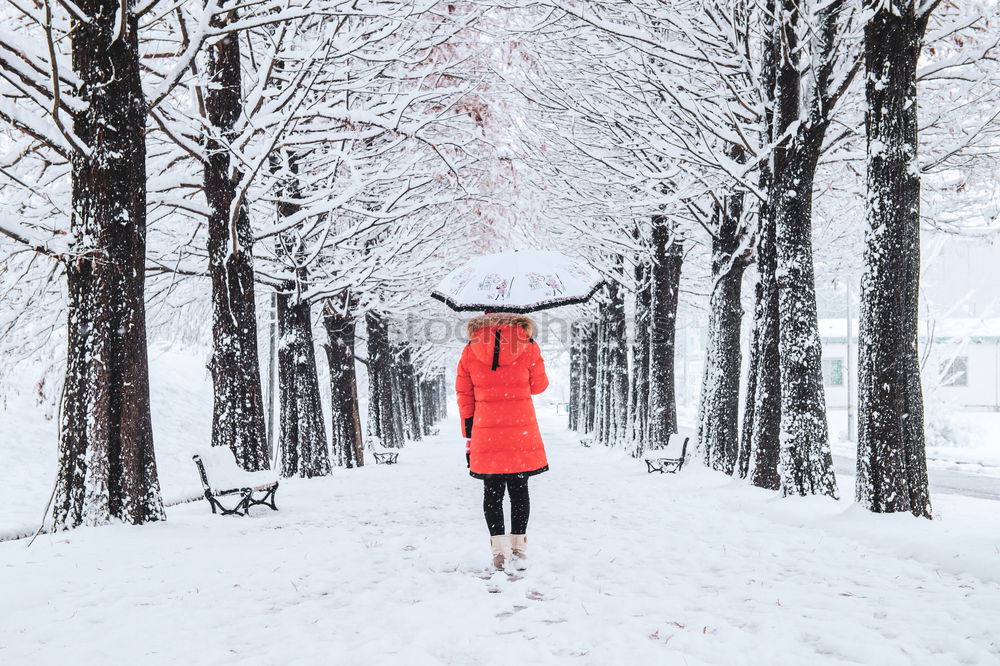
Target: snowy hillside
point(182, 417)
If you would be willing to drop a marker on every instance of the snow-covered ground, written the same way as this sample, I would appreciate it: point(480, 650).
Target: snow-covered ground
point(974, 437)
point(385, 565)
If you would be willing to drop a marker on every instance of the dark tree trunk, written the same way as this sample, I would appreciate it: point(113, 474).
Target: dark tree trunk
point(806, 460)
point(765, 399)
point(746, 431)
point(601, 393)
point(583, 393)
point(585, 396)
point(382, 424)
point(442, 387)
point(639, 389)
point(302, 439)
point(590, 393)
point(892, 465)
point(613, 378)
point(762, 415)
point(665, 277)
point(303, 435)
point(720, 397)
point(345, 417)
point(575, 375)
point(238, 419)
point(107, 467)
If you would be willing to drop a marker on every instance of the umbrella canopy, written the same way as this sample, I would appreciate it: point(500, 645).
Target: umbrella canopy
point(518, 281)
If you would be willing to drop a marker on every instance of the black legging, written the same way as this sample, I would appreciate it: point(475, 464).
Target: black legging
point(520, 506)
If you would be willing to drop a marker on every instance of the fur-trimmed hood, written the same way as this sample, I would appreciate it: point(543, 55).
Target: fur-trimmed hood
point(500, 338)
point(500, 319)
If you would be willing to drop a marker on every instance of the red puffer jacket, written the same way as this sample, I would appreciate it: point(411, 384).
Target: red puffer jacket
point(500, 369)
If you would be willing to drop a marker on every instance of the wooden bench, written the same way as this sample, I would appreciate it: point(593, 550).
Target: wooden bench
point(668, 465)
point(386, 457)
point(252, 488)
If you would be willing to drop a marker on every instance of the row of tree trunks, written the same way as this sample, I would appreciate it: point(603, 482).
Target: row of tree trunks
point(633, 406)
point(107, 467)
point(409, 404)
point(346, 440)
point(612, 370)
point(433, 394)
point(892, 465)
point(583, 377)
point(665, 277)
point(238, 414)
point(718, 417)
point(384, 428)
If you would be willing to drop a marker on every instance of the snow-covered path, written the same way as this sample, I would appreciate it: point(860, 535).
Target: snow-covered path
point(386, 565)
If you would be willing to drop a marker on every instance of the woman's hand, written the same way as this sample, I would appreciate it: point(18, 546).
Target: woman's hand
point(468, 453)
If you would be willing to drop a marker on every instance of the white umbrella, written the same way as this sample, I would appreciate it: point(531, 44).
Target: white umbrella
point(518, 281)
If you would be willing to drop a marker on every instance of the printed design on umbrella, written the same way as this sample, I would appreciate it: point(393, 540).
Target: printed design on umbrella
point(458, 282)
point(550, 283)
point(496, 285)
point(579, 271)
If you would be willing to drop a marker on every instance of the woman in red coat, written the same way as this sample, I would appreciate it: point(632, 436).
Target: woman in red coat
point(500, 369)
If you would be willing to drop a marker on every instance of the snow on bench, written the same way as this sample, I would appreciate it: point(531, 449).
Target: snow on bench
point(668, 465)
point(221, 476)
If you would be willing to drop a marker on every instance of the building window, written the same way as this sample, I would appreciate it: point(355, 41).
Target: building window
point(833, 372)
point(955, 371)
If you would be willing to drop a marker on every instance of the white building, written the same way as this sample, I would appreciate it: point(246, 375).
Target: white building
point(960, 361)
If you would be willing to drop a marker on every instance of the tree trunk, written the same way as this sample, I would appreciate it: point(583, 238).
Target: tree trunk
point(806, 460)
point(759, 453)
point(665, 279)
point(765, 399)
point(345, 417)
point(238, 415)
point(892, 465)
point(586, 386)
point(720, 397)
point(303, 435)
point(746, 430)
point(590, 392)
point(382, 424)
point(107, 467)
point(575, 376)
point(639, 390)
point(442, 387)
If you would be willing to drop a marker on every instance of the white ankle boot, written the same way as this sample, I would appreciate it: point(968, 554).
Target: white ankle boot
point(519, 550)
point(500, 545)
